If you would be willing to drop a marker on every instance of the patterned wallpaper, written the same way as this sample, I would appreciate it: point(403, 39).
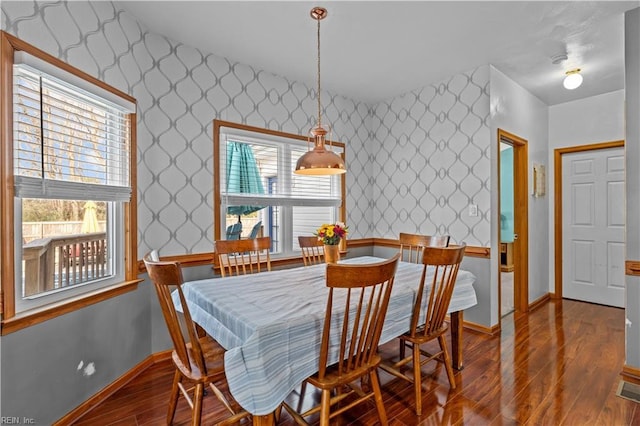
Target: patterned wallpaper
point(434, 161)
point(430, 146)
point(180, 90)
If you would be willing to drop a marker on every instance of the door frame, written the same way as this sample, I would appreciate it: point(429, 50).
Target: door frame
point(521, 221)
point(557, 189)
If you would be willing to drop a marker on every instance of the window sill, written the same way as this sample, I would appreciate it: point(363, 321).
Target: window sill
point(36, 316)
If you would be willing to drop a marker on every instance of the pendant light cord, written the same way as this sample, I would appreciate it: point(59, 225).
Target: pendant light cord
point(319, 105)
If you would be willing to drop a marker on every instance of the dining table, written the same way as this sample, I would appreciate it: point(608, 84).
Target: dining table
point(270, 325)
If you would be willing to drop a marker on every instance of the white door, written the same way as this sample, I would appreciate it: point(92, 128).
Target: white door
point(593, 218)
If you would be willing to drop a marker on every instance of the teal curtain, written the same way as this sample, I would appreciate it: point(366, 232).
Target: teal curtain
point(243, 176)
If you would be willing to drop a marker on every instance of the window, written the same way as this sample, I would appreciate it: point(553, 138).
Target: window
point(72, 147)
point(257, 187)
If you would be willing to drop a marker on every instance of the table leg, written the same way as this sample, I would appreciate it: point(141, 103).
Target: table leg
point(265, 420)
point(456, 339)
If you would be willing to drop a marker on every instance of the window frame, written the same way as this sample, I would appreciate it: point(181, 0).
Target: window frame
point(11, 321)
point(218, 126)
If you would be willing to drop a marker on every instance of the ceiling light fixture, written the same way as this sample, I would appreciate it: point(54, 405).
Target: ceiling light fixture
point(573, 80)
point(319, 160)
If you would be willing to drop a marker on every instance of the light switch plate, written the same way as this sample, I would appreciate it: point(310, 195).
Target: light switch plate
point(473, 210)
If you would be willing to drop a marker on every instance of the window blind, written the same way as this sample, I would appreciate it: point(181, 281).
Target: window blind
point(68, 142)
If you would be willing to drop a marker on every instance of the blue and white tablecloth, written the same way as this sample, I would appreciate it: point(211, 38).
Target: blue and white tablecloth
point(271, 324)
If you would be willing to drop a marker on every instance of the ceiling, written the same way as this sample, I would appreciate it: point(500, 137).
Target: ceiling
point(374, 50)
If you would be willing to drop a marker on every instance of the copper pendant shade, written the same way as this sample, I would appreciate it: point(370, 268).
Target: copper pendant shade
point(320, 160)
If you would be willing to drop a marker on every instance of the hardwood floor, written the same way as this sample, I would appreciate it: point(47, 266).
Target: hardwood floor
point(558, 365)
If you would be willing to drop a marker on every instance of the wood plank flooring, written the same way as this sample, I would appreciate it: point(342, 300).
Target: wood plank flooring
point(558, 365)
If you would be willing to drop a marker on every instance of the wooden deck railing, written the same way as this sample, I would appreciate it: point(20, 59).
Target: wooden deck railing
point(56, 262)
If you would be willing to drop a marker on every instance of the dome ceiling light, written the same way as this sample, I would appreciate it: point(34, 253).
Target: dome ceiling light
point(573, 80)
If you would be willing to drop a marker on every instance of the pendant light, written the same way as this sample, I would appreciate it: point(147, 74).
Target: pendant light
point(320, 160)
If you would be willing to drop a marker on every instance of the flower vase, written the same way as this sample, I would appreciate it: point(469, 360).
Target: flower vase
point(331, 253)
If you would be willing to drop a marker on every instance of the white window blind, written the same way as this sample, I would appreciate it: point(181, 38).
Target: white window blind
point(68, 143)
point(274, 160)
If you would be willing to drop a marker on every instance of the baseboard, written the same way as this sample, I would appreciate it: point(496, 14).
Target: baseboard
point(161, 356)
point(539, 302)
point(481, 328)
point(631, 374)
point(75, 415)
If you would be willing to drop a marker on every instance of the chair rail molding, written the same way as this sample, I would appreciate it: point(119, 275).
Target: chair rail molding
point(632, 267)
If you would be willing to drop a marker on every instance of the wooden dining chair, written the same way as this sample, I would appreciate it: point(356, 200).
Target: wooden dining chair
point(428, 316)
point(312, 250)
point(241, 257)
point(411, 248)
point(198, 360)
point(365, 292)
point(411, 245)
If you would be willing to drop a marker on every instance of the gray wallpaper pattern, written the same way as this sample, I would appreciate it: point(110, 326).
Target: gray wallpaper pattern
point(433, 160)
point(429, 147)
point(180, 90)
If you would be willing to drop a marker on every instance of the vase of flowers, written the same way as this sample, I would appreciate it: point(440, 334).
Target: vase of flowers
point(331, 235)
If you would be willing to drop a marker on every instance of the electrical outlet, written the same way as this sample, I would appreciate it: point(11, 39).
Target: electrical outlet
point(473, 210)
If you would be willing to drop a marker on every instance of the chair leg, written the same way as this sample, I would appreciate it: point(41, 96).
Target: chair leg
point(173, 401)
point(377, 395)
point(417, 378)
point(447, 361)
point(402, 348)
point(303, 391)
point(278, 413)
point(365, 383)
point(197, 404)
point(303, 388)
point(325, 407)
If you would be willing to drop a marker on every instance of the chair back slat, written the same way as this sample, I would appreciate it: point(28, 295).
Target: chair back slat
point(312, 250)
point(166, 275)
point(367, 290)
point(241, 257)
point(444, 263)
point(411, 245)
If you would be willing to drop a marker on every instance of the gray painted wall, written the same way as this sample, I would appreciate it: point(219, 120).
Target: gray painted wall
point(632, 153)
point(50, 368)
